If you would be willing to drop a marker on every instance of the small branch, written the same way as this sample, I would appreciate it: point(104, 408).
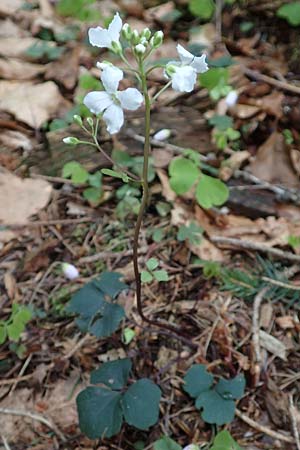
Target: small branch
point(293, 416)
point(39, 418)
point(5, 443)
point(255, 333)
point(272, 81)
point(264, 429)
point(259, 247)
point(281, 284)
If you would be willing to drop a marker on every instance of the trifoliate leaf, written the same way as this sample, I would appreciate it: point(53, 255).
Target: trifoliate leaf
point(110, 284)
point(183, 173)
point(76, 172)
point(197, 380)
point(141, 404)
point(113, 374)
point(221, 122)
point(192, 232)
point(146, 277)
point(211, 192)
point(231, 389)
point(152, 263)
point(215, 408)
point(161, 275)
point(290, 12)
point(100, 412)
point(106, 320)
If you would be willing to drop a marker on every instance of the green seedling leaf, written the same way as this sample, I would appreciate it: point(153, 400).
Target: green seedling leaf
point(224, 441)
point(76, 172)
point(158, 235)
point(93, 195)
point(217, 76)
point(95, 180)
point(232, 134)
point(163, 208)
point(202, 8)
point(231, 389)
point(128, 335)
point(197, 380)
point(192, 232)
point(141, 404)
point(161, 275)
point(183, 173)
point(294, 241)
point(152, 264)
point(221, 122)
point(290, 12)
point(211, 192)
point(3, 333)
point(146, 277)
point(127, 191)
point(100, 412)
point(115, 174)
point(14, 330)
point(211, 269)
point(113, 374)
point(127, 206)
point(166, 443)
point(215, 408)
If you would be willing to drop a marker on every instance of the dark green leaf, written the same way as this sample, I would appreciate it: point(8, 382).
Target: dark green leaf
point(110, 284)
point(141, 404)
point(113, 374)
point(166, 443)
point(115, 174)
point(95, 179)
point(106, 320)
point(231, 389)
point(192, 232)
point(214, 77)
point(183, 173)
point(221, 122)
point(93, 195)
point(215, 408)
point(197, 380)
point(100, 413)
point(211, 192)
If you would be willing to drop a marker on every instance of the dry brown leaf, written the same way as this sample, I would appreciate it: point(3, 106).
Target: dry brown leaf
point(14, 140)
point(10, 285)
point(233, 163)
point(10, 7)
point(272, 345)
point(65, 70)
point(245, 111)
point(207, 251)
point(266, 314)
point(20, 199)
point(160, 13)
point(15, 47)
point(285, 322)
point(273, 162)
point(9, 29)
point(272, 104)
point(15, 69)
point(31, 103)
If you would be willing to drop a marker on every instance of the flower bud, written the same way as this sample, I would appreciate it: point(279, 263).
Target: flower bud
point(170, 70)
point(162, 135)
point(71, 140)
point(90, 121)
point(77, 119)
point(135, 38)
point(102, 65)
point(144, 41)
point(116, 47)
point(126, 31)
point(157, 39)
point(231, 98)
point(146, 33)
point(71, 272)
point(139, 49)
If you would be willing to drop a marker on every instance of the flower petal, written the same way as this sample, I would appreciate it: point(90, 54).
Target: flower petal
point(115, 27)
point(199, 64)
point(99, 37)
point(114, 118)
point(184, 79)
point(97, 101)
point(185, 56)
point(110, 77)
point(131, 98)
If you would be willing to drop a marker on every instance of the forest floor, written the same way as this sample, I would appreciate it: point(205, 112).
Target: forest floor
point(234, 291)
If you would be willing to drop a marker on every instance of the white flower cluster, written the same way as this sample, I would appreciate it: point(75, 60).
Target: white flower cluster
point(111, 102)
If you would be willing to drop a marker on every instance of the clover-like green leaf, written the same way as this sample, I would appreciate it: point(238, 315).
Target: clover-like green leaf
point(290, 12)
point(211, 192)
point(106, 320)
point(231, 389)
point(141, 404)
point(161, 275)
point(152, 264)
point(183, 173)
point(76, 172)
point(166, 443)
point(93, 195)
point(202, 8)
point(113, 374)
point(215, 408)
point(192, 232)
point(197, 380)
point(146, 277)
point(224, 441)
point(110, 284)
point(100, 412)
point(221, 122)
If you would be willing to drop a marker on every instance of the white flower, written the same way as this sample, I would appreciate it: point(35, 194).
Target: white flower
point(191, 447)
point(184, 73)
point(162, 135)
point(231, 98)
point(71, 272)
point(111, 102)
point(100, 37)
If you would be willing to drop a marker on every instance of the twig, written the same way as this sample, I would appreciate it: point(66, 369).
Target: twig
point(48, 223)
point(5, 443)
point(272, 81)
point(39, 418)
point(48, 271)
point(79, 344)
point(218, 16)
point(255, 333)
point(264, 429)
point(281, 284)
point(21, 373)
point(293, 416)
point(259, 247)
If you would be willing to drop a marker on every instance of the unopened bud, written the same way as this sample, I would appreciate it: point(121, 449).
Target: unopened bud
point(170, 70)
point(90, 121)
point(71, 272)
point(71, 140)
point(162, 135)
point(102, 65)
point(116, 47)
point(77, 119)
point(126, 31)
point(135, 37)
point(231, 98)
point(146, 33)
point(140, 49)
point(157, 39)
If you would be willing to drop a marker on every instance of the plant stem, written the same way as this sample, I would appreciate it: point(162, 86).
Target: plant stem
point(163, 89)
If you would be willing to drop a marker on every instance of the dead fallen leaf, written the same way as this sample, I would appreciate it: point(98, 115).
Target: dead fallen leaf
point(10, 285)
point(273, 162)
point(266, 314)
point(9, 7)
point(20, 199)
point(15, 69)
point(243, 111)
point(233, 163)
point(272, 104)
point(9, 29)
point(285, 322)
point(272, 345)
point(31, 103)
point(65, 70)
point(13, 47)
point(14, 140)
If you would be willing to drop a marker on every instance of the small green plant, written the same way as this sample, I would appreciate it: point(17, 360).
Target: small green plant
point(80, 9)
point(79, 175)
point(215, 80)
point(204, 9)
point(222, 441)
point(294, 241)
point(185, 172)
point(153, 272)
point(290, 12)
point(191, 232)
point(44, 49)
point(102, 409)
point(13, 327)
point(288, 136)
point(217, 402)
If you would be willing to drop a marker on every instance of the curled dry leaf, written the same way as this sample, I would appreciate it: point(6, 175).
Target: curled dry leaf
point(15, 69)
point(30, 103)
point(13, 47)
point(20, 199)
